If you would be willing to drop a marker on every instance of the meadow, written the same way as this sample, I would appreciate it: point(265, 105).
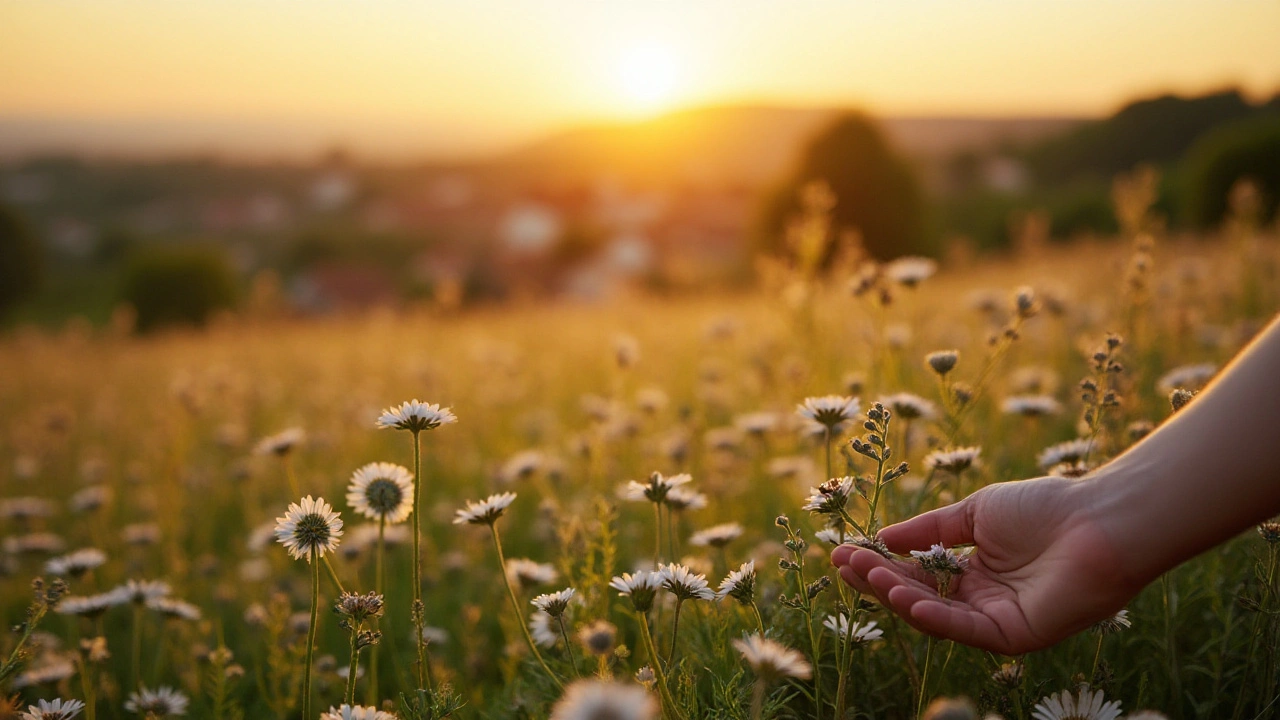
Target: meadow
point(170, 459)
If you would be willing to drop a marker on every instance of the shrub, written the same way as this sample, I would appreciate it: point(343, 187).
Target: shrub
point(177, 285)
point(1245, 149)
point(20, 261)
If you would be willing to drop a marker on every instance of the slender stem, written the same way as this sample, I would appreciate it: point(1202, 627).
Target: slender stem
point(675, 632)
point(827, 443)
point(377, 586)
point(311, 633)
point(757, 699)
point(759, 619)
point(924, 677)
point(418, 609)
point(1175, 679)
point(568, 647)
point(293, 479)
point(88, 683)
point(333, 575)
point(657, 534)
point(136, 662)
point(652, 651)
point(1097, 653)
point(352, 668)
point(515, 607)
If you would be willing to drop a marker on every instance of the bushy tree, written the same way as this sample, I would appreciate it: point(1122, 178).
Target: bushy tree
point(876, 191)
point(20, 260)
point(169, 286)
point(1249, 149)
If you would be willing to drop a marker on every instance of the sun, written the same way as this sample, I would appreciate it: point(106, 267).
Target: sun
point(648, 76)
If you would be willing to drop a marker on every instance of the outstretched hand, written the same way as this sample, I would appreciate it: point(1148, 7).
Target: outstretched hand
point(1042, 568)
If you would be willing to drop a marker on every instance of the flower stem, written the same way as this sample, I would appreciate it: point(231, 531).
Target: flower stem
point(377, 586)
point(352, 667)
point(675, 633)
point(657, 534)
point(924, 677)
point(333, 575)
point(759, 619)
point(418, 608)
point(136, 662)
point(311, 634)
point(515, 607)
point(652, 651)
point(564, 634)
point(757, 699)
point(1097, 653)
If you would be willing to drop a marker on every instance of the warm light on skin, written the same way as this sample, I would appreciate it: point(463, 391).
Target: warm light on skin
point(648, 75)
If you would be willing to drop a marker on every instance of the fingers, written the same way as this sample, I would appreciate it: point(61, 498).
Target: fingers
point(951, 525)
point(840, 556)
point(959, 622)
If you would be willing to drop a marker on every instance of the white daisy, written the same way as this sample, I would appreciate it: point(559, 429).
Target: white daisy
point(832, 536)
point(382, 490)
point(656, 490)
point(485, 512)
point(757, 423)
point(832, 412)
point(524, 572)
point(90, 499)
point(601, 700)
point(416, 416)
point(90, 606)
point(740, 584)
point(1071, 451)
point(910, 271)
point(33, 544)
point(1085, 704)
point(684, 583)
point(717, 535)
point(770, 659)
point(862, 632)
point(908, 406)
point(554, 604)
point(683, 498)
point(540, 628)
point(164, 701)
point(282, 443)
point(955, 460)
point(49, 672)
point(140, 534)
point(140, 591)
point(172, 608)
point(25, 508)
point(640, 587)
point(831, 497)
point(1031, 405)
point(58, 709)
point(1188, 377)
point(76, 563)
point(522, 465)
point(309, 527)
point(1114, 624)
point(356, 712)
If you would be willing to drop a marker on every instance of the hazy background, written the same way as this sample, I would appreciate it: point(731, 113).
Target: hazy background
point(337, 155)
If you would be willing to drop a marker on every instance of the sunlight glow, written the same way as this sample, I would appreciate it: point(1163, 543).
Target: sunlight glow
point(648, 76)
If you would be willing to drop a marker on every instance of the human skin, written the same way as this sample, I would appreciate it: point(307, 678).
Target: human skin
point(1053, 555)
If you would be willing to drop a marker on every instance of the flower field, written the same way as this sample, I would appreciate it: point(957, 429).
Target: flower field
point(617, 511)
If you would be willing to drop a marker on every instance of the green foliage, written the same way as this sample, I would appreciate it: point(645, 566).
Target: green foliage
point(1249, 149)
point(20, 261)
point(169, 286)
point(876, 190)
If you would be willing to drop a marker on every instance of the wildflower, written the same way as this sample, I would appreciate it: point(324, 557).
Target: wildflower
point(58, 709)
point(1085, 704)
point(651, 399)
point(1270, 531)
point(757, 423)
point(485, 512)
point(954, 461)
point(740, 584)
point(356, 712)
point(309, 528)
point(416, 416)
point(76, 563)
point(33, 544)
point(90, 606)
point(626, 351)
point(172, 608)
point(717, 535)
point(1191, 377)
point(686, 499)
point(1024, 302)
point(90, 499)
point(599, 638)
point(908, 406)
point(524, 572)
point(645, 676)
point(1008, 676)
point(725, 439)
point(831, 497)
point(382, 491)
point(1070, 469)
point(640, 587)
point(873, 543)
point(1031, 405)
point(541, 631)
point(282, 443)
point(684, 583)
point(1114, 624)
point(862, 632)
point(359, 607)
point(161, 702)
point(770, 659)
point(942, 563)
point(942, 361)
point(1070, 451)
point(657, 489)
point(831, 536)
point(911, 271)
point(49, 672)
point(522, 465)
point(604, 700)
point(554, 604)
point(832, 412)
point(140, 534)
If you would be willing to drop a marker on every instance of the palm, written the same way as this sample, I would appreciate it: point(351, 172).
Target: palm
point(1040, 570)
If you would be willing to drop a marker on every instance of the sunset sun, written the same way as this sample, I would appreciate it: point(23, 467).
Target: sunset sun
point(648, 76)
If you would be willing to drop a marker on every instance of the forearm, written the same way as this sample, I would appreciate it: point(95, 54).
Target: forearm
point(1208, 473)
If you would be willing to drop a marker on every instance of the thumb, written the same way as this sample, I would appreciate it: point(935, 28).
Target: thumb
point(950, 525)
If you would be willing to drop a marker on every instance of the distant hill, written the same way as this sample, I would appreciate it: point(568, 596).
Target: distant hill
point(743, 144)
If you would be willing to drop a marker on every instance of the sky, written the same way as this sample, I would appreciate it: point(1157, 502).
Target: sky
point(467, 77)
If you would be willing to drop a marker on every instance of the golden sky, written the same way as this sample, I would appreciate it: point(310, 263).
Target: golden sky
point(474, 75)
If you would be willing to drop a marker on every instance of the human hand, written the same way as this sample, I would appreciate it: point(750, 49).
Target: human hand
point(1043, 567)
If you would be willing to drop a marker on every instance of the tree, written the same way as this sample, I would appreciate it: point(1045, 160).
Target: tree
point(21, 264)
point(876, 191)
point(168, 286)
point(1248, 149)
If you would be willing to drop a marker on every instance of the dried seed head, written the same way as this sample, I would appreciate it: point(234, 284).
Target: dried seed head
point(1179, 398)
point(942, 361)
